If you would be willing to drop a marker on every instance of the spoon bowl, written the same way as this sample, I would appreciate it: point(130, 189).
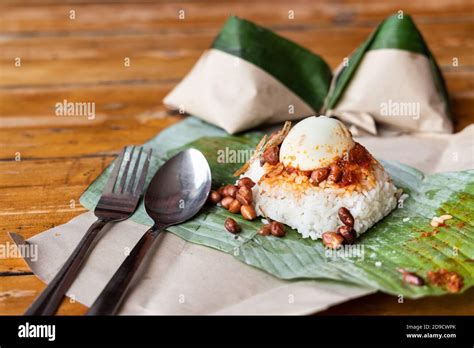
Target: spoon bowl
point(179, 188)
point(176, 193)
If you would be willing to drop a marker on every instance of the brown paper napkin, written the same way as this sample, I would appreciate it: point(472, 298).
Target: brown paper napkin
point(181, 278)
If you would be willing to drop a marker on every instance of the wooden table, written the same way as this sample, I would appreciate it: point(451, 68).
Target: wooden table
point(47, 161)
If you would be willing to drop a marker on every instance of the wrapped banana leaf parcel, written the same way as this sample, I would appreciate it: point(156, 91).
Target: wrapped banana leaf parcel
point(252, 76)
point(391, 80)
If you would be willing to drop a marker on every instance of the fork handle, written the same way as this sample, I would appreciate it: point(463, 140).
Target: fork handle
point(49, 300)
point(113, 294)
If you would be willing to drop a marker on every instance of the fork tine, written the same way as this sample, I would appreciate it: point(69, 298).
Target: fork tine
point(123, 180)
point(134, 172)
point(109, 186)
point(141, 181)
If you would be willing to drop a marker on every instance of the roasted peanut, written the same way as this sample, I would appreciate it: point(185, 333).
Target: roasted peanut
point(214, 197)
point(226, 201)
point(271, 155)
point(335, 173)
point(248, 212)
point(332, 240)
point(346, 217)
point(234, 206)
point(231, 225)
point(319, 175)
point(230, 191)
point(411, 278)
point(264, 230)
point(246, 182)
point(244, 195)
point(347, 233)
point(277, 229)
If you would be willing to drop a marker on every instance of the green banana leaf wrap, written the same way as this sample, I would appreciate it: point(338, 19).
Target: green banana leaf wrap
point(303, 72)
point(393, 33)
point(404, 239)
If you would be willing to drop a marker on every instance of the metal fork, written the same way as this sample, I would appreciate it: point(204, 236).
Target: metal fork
point(117, 203)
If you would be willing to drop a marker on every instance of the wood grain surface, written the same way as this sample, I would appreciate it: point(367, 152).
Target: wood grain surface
point(47, 161)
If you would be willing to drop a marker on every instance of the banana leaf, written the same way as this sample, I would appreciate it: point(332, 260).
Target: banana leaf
point(402, 240)
point(303, 72)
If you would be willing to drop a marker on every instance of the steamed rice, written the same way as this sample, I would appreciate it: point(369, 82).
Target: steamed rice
point(314, 210)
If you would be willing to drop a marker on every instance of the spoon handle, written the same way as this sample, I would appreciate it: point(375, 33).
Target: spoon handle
point(113, 294)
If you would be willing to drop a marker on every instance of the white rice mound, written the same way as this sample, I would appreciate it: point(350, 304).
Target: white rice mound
point(316, 210)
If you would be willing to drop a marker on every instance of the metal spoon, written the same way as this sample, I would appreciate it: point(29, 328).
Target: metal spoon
point(176, 193)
